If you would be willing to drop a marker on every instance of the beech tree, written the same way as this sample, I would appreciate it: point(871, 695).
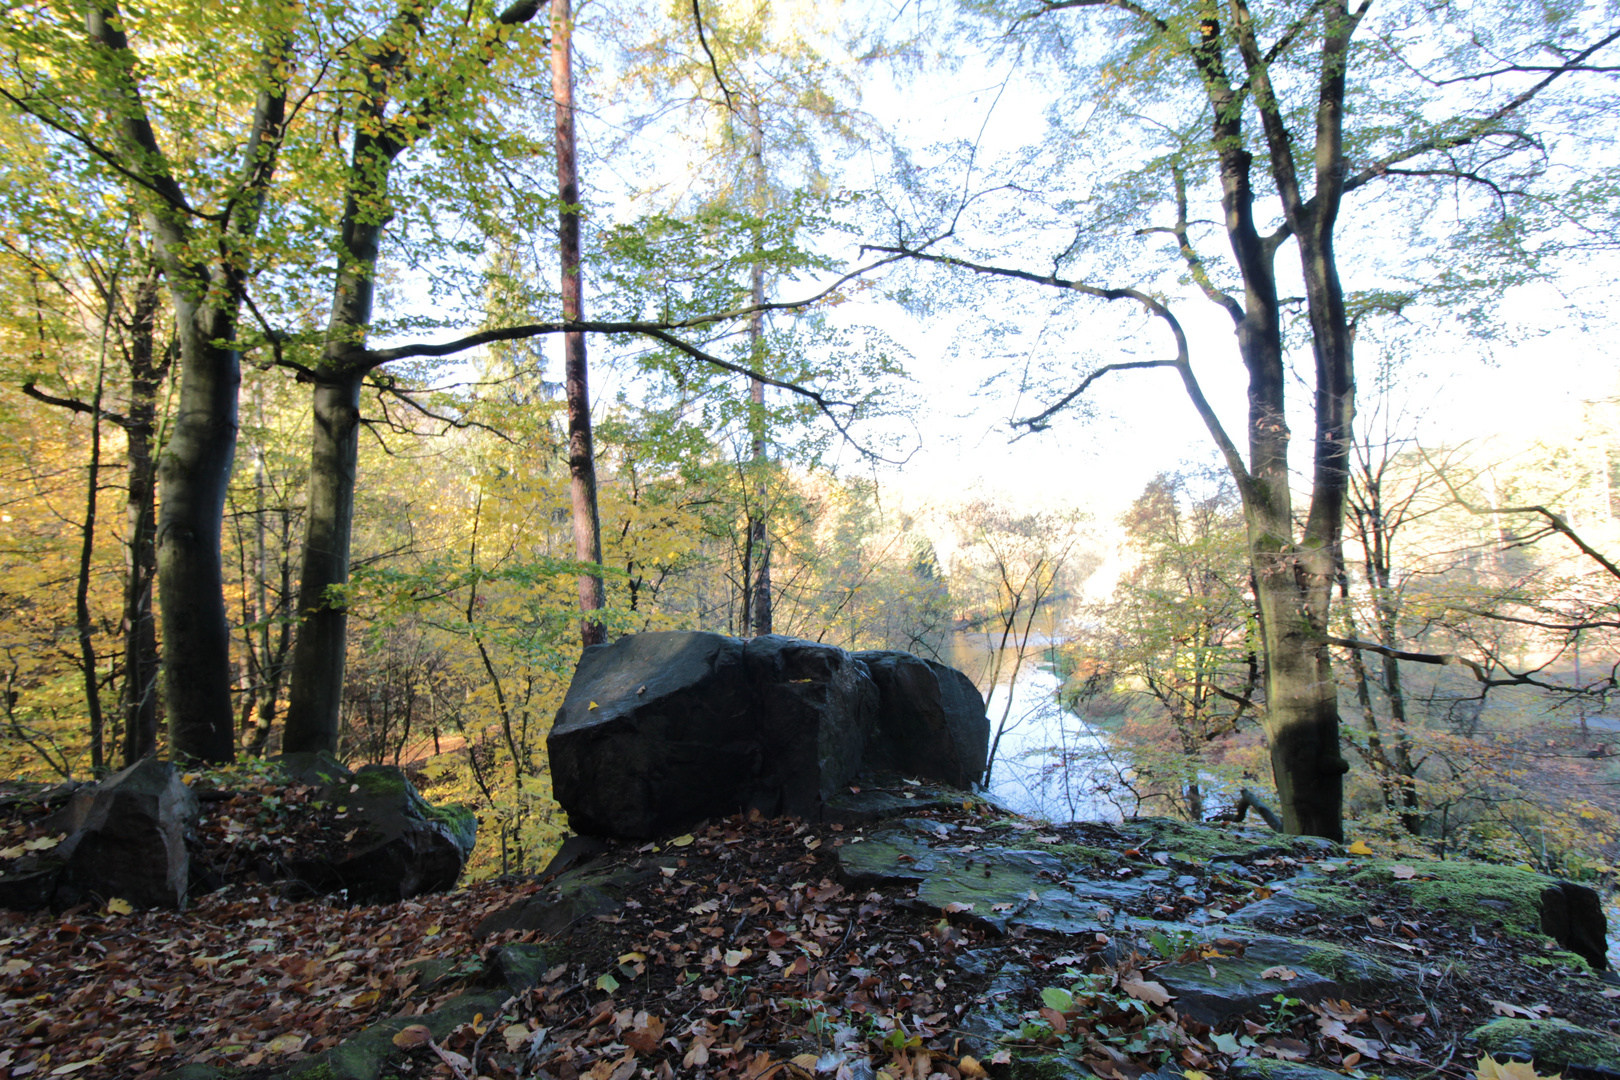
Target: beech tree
point(1278, 113)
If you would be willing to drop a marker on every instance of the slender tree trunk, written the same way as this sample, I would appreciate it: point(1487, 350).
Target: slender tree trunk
point(207, 291)
point(87, 548)
point(759, 523)
point(141, 664)
point(581, 452)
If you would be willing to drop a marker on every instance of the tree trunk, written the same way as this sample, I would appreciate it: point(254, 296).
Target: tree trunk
point(139, 698)
point(87, 549)
point(194, 471)
point(581, 452)
point(759, 524)
point(319, 652)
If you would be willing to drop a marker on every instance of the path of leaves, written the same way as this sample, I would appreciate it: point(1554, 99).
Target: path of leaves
point(747, 959)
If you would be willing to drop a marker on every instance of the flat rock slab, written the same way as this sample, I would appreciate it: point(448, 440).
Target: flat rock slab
point(576, 895)
point(1001, 888)
point(1218, 988)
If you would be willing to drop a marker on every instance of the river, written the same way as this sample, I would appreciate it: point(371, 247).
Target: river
point(1024, 775)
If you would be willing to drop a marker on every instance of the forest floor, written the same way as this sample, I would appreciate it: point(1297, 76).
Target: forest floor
point(748, 958)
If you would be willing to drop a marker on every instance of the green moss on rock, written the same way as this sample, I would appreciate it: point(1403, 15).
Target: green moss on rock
point(380, 782)
point(1048, 1067)
point(1196, 843)
point(1476, 892)
point(1552, 1043)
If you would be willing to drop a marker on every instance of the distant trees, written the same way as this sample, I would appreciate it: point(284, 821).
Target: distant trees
point(1278, 115)
point(1177, 643)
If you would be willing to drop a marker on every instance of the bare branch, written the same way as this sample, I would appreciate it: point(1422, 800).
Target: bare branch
point(714, 65)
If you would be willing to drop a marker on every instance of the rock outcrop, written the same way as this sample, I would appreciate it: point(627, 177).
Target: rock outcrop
point(399, 845)
point(122, 838)
point(930, 720)
point(661, 730)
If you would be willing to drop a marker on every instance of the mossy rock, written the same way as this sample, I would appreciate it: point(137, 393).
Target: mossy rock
point(1048, 1067)
point(1467, 891)
point(1273, 1069)
point(1551, 1043)
point(1190, 842)
point(319, 767)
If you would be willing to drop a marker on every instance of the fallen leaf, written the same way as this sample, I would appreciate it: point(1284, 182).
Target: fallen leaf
point(1145, 990)
point(515, 1035)
point(415, 1035)
point(607, 983)
point(64, 1070)
point(1359, 848)
point(708, 907)
point(591, 706)
point(970, 1068)
point(286, 1044)
point(1403, 872)
point(735, 957)
point(1279, 972)
point(632, 958)
point(684, 840)
point(1491, 1069)
point(645, 1038)
point(1507, 1008)
point(955, 908)
point(119, 906)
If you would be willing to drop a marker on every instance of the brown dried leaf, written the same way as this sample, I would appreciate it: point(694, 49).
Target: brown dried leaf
point(1145, 990)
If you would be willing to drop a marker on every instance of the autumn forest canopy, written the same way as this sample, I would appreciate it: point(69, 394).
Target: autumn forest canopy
point(360, 363)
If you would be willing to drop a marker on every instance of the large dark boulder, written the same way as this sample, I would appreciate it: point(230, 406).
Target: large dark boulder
point(126, 838)
point(1573, 916)
point(931, 720)
point(396, 844)
point(661, 730)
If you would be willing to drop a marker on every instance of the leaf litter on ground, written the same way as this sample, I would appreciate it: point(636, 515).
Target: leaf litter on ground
point(751, 959)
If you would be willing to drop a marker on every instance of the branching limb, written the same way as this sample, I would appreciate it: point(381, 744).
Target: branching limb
point(1555, 522)
point(1182, 363)
point(714, 65)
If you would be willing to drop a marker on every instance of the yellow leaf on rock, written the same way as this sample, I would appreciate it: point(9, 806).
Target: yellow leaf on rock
point(970, 1068)
point(591, 706)
point(1491, 1069)
point(415, 1035)
point(1359, 848)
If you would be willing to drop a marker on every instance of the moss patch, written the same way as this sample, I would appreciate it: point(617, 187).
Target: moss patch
point(1200, 843)
point(1048, 1067)
point(1550, 1042)
point(380, 782)
point(1465, 891)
